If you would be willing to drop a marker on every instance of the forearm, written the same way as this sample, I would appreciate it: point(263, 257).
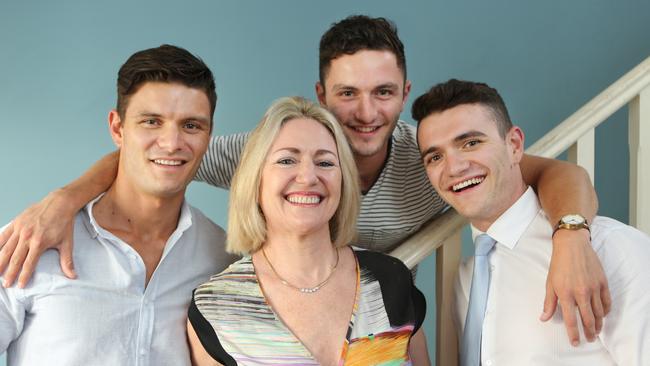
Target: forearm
point(94, 181)
point(563, 188)
point(575, 276)
point(49, 224)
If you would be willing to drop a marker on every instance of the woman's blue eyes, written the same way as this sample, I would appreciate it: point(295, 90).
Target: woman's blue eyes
point(285, 161)
point(322, 164)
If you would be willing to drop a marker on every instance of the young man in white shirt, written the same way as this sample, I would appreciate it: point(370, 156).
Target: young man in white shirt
point(141, 248)
point(471, 152)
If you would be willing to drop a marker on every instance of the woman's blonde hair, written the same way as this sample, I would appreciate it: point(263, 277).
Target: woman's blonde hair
point(246, 224)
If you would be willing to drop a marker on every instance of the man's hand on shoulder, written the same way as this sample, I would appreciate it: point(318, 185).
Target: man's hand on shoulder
point(45, 225)
point(577, 279)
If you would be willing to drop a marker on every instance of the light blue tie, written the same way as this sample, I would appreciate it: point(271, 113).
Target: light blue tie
point(471, 346)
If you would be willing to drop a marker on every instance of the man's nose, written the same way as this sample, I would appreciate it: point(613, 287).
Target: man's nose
point(171, 138)
point(366, 110)
point(456, 164)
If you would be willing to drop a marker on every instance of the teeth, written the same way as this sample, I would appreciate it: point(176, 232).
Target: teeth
point(365, 129)
point(167, 162)
point(469, 182)
point(303, 199)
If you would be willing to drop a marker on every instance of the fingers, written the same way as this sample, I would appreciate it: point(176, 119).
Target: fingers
point(605, 297)
point(65, 258)
point(15, 263)
point(570, 322)
point(599, 313)
point(28, 267)
point(5, 256)
point(587, 315)
point(5, 235)
point(550, 304)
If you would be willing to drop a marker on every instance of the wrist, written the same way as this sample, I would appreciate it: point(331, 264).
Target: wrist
point(566, 236)
point(571, 222)
point(64, 199)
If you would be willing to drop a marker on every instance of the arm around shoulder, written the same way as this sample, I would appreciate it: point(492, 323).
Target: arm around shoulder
point(49, 224)
point(575, 278)
point(563, 188)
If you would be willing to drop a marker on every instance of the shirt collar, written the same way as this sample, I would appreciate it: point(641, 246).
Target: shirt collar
point(512, 224)
point(184, 221)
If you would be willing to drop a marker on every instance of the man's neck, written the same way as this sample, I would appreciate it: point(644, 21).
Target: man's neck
point(137, 217)
point(484, 223)
point(370, 168)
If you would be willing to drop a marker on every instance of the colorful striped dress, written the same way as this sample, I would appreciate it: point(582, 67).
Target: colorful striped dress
point(236, 325)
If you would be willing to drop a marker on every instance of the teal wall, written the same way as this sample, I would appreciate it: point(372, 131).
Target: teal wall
point(59, 59)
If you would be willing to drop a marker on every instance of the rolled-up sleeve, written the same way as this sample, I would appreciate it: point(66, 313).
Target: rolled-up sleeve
point(221, 159)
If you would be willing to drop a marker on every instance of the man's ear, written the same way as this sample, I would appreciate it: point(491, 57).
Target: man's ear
point(115, 127)
point(515, 141)
point(407, 91)
point(320, 93)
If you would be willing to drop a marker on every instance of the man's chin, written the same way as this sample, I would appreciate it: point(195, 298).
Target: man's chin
point(365, 150)
point(167, 192)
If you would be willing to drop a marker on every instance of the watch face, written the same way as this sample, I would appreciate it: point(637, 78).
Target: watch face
point(573, 219)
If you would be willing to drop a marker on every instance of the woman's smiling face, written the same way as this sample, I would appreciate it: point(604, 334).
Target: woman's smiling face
point(300, 187)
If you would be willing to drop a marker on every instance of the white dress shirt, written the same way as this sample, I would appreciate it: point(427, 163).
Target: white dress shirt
point(512, 331)
point(107, 316)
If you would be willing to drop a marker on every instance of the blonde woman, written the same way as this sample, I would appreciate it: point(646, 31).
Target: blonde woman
point(301, 295)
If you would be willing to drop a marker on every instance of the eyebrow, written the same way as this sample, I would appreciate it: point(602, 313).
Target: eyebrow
point(461, 137)
point(147, 114)
point(336, 87)
point(201, 119)
point(294, 150)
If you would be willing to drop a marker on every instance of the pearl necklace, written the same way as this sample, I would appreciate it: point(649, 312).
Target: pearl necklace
point(304, 290)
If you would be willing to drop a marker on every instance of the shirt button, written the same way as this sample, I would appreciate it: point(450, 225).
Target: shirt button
point(488, 363)
point(491, 267)
point(143, 352)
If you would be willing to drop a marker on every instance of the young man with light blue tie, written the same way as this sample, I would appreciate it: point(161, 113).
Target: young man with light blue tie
point(471, 152)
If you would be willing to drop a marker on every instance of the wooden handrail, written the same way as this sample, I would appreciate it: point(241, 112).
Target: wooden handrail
point(430, 237)
point(593, 113)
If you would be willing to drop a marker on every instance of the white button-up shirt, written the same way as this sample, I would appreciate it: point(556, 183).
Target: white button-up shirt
point(107, 316)
point(512, 331)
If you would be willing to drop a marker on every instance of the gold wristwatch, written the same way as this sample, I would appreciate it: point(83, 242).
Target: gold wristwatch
point(571, 222)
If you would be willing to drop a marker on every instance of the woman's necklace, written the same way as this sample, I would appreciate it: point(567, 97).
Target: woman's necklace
point(305, 290)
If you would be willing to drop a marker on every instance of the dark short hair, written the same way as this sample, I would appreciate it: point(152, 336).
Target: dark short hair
point(357, 33)
point(169, 64)
point(453, 93)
